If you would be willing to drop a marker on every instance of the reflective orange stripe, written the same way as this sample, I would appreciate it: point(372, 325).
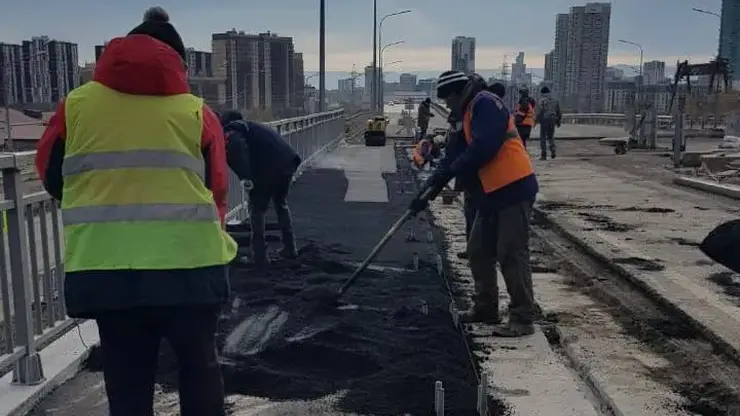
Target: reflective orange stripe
point(528, 114)
point(510, 164)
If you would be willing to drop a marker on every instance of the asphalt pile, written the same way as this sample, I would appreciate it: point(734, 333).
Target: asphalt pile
point(381, 353)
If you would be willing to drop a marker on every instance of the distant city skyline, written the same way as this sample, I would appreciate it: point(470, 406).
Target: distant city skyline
point(427, 30)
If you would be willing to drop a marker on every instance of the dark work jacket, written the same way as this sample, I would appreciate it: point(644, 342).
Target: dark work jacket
point(257, 152)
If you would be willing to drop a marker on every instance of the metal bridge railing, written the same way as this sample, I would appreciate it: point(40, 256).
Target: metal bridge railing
point(617, 119)
point(32, 312)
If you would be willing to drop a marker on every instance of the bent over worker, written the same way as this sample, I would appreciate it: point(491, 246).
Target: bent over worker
point(138, 164)
point(505, 180)
point(259, 155)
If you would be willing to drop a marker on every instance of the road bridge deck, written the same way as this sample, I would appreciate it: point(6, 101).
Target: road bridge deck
point(381, 358)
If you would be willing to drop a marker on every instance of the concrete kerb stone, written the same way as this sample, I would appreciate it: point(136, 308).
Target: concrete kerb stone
point(730, 348)
point(706, 185)
point(584, 372)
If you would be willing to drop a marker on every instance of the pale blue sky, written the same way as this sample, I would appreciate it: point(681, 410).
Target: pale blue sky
point(667, 29)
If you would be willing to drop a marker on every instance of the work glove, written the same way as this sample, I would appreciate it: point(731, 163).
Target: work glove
point(432, 187)
point(247, 184)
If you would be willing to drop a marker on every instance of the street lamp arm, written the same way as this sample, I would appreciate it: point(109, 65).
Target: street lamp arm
point(391, 44)
point(706, 12)
point(382, 19)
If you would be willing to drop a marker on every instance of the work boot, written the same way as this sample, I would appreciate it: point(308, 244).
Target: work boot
point(513, 329)
point(543, 157)
point(481, 314)
point(552, 153)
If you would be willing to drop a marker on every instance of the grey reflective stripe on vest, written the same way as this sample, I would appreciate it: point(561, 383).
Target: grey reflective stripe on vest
point(140, 212)
point(132, 159)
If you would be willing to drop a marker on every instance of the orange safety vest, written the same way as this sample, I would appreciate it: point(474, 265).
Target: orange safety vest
point(527, 113)
point(511, 163)
point(419, 151)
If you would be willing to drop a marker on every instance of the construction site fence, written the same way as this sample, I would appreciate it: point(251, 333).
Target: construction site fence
point(32, 313)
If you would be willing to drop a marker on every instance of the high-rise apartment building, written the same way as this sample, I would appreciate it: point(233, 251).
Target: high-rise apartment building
point(729, 35)
point(298, 83)
point(586, 57)
point(407, 82)
point(463, 54)
point(281, 66)
point(200, 63)
point(12, 74)
point(64, 69)
point(549, 69)
point(518, 69)
point(260, 70)
point(38, 76)
point(560, 53)
point(236, 58)
point(40, 70)
point(653, 72)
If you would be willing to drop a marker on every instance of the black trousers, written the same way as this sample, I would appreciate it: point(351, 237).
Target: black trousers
point(524, 132)
point(130, 342)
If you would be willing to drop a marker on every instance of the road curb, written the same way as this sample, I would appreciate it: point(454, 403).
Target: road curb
point(713, 187)
point(568, 230)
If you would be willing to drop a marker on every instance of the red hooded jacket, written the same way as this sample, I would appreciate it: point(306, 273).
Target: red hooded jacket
point(139, 65)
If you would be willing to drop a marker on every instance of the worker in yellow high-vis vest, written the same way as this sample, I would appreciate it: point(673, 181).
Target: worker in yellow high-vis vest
point(139, 166)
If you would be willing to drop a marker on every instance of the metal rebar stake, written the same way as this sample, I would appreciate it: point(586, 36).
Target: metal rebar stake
point(439, 399)
point(483, 395)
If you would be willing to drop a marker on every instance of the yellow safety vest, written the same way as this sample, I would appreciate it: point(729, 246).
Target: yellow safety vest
point(134, 192)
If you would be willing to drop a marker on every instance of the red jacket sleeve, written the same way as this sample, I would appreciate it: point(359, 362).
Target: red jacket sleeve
point(50, 153)
point(214, 146)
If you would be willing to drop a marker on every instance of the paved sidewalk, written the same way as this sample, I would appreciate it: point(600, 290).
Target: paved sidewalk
point(651, 230)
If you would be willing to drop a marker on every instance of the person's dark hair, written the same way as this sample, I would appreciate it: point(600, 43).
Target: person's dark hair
point(230, 115)
point(498, 89)
point(544, 90)
point(428, 100)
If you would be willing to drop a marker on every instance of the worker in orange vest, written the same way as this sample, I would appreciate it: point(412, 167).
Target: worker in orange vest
point(505, 187)
point(524, 115)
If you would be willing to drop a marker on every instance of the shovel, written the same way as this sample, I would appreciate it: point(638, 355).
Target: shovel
point(309, 312)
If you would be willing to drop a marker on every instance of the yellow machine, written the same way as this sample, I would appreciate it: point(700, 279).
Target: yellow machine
point(375, 131)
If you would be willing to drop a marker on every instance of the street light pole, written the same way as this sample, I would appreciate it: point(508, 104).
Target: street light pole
point(374, 95)
point(382, 50)
point(322, 57)
point(380, 81)
point(639, 84)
